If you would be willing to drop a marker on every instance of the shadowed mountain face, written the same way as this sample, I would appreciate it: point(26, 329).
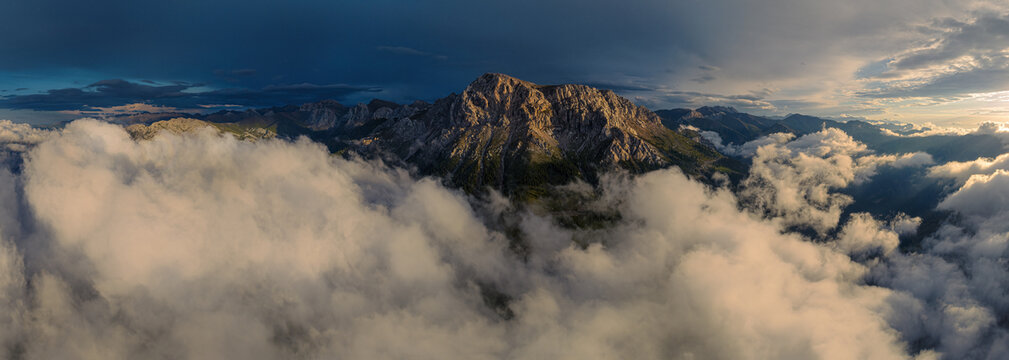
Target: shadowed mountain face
point(734, 127)
point(500, 132)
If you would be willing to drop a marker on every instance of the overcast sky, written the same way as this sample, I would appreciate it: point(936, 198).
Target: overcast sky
point(943, 61)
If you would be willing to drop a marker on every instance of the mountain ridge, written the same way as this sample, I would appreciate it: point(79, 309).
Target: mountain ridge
point(500, 132)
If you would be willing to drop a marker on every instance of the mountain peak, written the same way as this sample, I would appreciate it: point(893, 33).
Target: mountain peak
point(501, 132)
point(515, 136)
point(491, 83)
point(376, 104)
point(498, 78)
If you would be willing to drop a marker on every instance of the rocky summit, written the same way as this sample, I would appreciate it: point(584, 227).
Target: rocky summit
point(499, 133)
point(516, 136)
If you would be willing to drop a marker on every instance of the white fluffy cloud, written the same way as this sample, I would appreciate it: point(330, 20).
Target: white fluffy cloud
point(948, 297)
point(17, 136)
point(202, 246)
point(947, 300)
point(863, 234)
point(963, 170)
point(905, 225)
point(748, 149)
point(207, 247)
point(956, 286)
point(794, 180)
point(981, 198)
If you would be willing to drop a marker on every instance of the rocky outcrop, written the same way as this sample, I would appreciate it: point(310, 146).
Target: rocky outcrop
point(186, 125)
point(175, 126)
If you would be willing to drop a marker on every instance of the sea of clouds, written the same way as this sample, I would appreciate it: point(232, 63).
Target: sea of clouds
point(203, 246)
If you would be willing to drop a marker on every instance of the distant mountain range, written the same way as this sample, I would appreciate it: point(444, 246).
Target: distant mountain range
point(736, 128)
point(522, 138)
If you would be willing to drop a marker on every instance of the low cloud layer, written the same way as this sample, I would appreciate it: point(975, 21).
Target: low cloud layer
point(947, 296)
point(203, 246)
point(795, 180)
point(953, 292)
point(963, 170)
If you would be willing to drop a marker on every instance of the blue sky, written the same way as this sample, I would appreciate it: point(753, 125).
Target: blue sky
point(910, 60)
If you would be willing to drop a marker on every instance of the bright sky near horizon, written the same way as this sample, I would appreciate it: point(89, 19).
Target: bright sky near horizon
point(939, 61)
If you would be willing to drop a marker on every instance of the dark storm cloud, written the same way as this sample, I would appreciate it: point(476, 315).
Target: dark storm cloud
point(748, 97)
point(281, 94)
point(237, 72)
point(794, 104)
point(962, 58)
point(951, 86)
point(755, 101)
point(103, 93)
point(426, 50)
point(987, 36)
point(116, 92)
point(703, 78)
point(235, 75)
point(707, 76)
point(619, 86)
